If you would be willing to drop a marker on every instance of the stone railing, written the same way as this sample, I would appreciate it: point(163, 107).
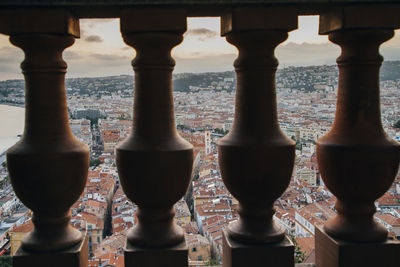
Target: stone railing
point(358, 162)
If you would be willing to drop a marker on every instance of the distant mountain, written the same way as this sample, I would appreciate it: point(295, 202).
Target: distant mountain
point(298, 77)
point(390, 70)
point(303, 78)
point(306, 54)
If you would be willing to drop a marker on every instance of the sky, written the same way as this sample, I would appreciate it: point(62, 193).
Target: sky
point(101, 51)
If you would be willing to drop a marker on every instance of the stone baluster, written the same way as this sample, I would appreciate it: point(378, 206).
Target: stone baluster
point(48, 166)
point(357, 160)
point(256, 158)
point(154, 162)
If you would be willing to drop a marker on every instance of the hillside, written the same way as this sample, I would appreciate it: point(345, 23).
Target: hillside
point(301, 78)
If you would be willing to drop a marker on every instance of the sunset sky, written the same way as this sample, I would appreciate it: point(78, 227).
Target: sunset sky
point(101, 52)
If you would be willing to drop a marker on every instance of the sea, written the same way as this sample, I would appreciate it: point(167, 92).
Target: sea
point(11, 125)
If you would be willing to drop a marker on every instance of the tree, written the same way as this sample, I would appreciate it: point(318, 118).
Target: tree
point(219, 131)
point(212, 262)
point(299, 145)
point(93, 122)
point(2, 183)
point(4, 164)
point(299, 255)
point(95, 162)
point(6, 261)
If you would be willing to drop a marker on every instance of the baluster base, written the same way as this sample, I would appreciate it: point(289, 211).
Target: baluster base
point(76, 256)
point(255, 232)
point(175, 256)
point(332, 252)
point(237, 254)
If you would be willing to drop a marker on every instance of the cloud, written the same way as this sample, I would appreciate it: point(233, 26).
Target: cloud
point(92, 23)
point(97, 65)
point(202, 34)
point(306, 54)
point(394, 42)
point(109, 57)
point(288, 55)
point(205, 63)
point(390, 53)
point(10, 60)
point(86, 63)
point(71, 55)
point(94, 39)
point(10, 53)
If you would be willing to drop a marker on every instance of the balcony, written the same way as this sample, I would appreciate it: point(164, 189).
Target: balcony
point(357, 160)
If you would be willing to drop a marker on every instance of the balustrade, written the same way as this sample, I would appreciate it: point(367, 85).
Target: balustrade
point(357, 160)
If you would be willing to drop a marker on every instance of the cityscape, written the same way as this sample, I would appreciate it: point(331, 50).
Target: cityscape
point(101, 111)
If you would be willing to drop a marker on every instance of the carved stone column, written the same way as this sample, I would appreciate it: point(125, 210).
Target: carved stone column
point(154, 162)
point(256, 158)
point(48, 166)
point(357, 160)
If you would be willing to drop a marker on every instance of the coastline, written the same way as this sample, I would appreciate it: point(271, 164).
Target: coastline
point(18, 105)
point(12, 116)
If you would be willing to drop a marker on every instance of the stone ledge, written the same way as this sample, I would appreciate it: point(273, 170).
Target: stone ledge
point(168, 2)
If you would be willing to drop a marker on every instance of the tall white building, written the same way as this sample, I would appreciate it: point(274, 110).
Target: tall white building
point(207, 142)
